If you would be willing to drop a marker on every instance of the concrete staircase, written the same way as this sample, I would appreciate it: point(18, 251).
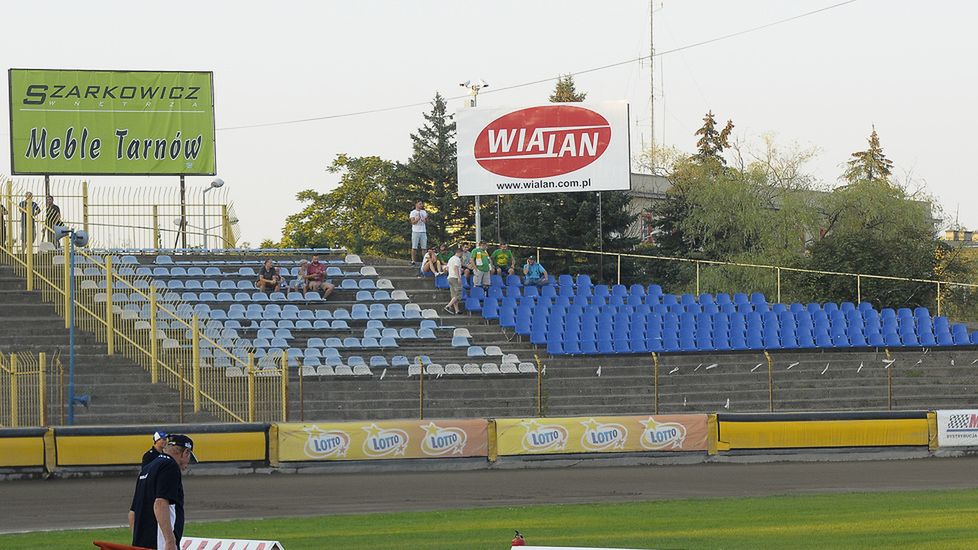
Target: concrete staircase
point(120, 390)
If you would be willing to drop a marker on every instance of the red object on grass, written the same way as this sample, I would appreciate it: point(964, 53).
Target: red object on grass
point(115, 546)
point(518, 540)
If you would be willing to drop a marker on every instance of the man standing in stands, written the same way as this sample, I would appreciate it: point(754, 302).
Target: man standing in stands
point(316, 278)
point(28, 210)
point(159, 441)
point(455, 282)
point(268, 279)
point(419, 230)
point(156, 515)
point(535, 273)
point(480, 266)
point(52, 217)
point(503, 262)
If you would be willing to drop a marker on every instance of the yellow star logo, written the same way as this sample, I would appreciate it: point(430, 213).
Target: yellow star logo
point(373, 430)
point(591, 424)
point(431, 429)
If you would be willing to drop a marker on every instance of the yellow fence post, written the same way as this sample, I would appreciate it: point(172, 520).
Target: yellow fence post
point(931, 431)
point(154, 343)
point(29, 245)
point(85, 206)
point(713, 434)
point(285, 387)
point(13, 390)
point(109, 311)
point(655, 379)
point(156, 226)
point(9, 219)
point(251, 387)
point(778, 270)
point(195, 366)
point(42, 361)
point(770, 381)
point(67, 281)
point(493, 454)
point(225, 226)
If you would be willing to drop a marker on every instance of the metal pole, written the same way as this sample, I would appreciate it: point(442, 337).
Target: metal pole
point(600, 242)
point(71, 331)
point(478, 220)
point(770, 381)
point(203, 200)
point(859, 289)
point(539, 387)
point(697, 279)
point(499, 209)
point(889, 388)
point(14, 412)
point(195, 359)
point(109, 312)
point(42, 361)
point(183, 213)
point(938, 298)
point(652, 83)
point(85, 206)
point(421, 390)
point(655, 379)
point(779, 284)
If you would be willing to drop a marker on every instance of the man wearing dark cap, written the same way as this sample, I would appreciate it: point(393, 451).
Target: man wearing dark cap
point(159, 441)
point(156, 514)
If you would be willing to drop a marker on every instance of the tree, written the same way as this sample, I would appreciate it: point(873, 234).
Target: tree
point(351, 215)
point(870, 165)
point(711, 143)
point(569, 220)
point(431, 175)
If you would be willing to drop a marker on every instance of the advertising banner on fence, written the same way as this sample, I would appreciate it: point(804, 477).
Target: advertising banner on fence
point(111, 122)
point(958, 428)
point(551, 148)
point(383, 440)
point(601, 434)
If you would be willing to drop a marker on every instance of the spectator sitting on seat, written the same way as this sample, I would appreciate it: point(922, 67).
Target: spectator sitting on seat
point(299, 284)
point(535, 273)
point(503, 261)
point(481, 266)
point(316, 278)
point(268, 279)
point(444, 254)
point(466, 260)
point(429, 263)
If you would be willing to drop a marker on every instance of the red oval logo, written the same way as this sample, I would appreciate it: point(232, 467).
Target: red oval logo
point(542, 142)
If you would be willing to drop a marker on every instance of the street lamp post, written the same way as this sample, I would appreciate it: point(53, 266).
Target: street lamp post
point(216, 184)
point(75, 238)
point(474, 87)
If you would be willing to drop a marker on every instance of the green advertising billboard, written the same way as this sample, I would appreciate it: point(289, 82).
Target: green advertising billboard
point(111, 122)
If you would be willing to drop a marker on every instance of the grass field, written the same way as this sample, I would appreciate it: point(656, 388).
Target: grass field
point(933, 519)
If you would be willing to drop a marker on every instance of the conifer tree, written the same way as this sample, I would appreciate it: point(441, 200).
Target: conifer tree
point(869, 165)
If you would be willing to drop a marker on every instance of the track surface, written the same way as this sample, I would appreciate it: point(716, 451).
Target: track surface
point(83, 503)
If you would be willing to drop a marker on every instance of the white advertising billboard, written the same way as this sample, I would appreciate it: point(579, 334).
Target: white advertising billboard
point(550, 148)
point(957, 428)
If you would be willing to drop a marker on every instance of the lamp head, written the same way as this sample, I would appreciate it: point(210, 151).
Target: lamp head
point(218, 182)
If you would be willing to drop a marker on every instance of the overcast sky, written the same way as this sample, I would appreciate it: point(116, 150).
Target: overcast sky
point(823, 80)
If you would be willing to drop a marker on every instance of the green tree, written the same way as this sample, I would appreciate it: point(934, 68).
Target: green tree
point(431, 176)
point(712, 143)
point(351, 215)
point(569, 220)
point(869, 165)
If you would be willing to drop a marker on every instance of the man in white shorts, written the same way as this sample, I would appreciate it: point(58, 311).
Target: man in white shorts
point(419, 230)
point(455, 282)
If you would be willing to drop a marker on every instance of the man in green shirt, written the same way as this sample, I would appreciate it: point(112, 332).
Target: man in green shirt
point(503, 261)
point(444, 254)
point(481, 266)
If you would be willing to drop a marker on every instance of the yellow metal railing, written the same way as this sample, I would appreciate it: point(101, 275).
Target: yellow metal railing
point(124, 217)
point(30, 390)
point(156, 329)
point(955, 298)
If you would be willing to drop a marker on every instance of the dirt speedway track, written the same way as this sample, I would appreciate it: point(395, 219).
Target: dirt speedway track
point(80, 503)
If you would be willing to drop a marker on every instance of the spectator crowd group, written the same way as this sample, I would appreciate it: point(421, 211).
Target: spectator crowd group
point(310, 277)
point(475, 265)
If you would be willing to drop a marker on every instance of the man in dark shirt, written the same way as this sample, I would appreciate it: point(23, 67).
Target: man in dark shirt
point(52, 217)
point(268, 279)
point(159, 441)
point(156, 515)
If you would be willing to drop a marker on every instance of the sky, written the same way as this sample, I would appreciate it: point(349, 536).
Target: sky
point(907, 68)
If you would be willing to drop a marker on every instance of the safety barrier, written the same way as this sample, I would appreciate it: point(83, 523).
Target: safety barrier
point(165, 336)
point(31, 390)
point(291, 445)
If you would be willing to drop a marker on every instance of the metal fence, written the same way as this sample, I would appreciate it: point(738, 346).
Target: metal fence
point(138, 319)
point(780, 284)
point(31, 390)
point(120, 217)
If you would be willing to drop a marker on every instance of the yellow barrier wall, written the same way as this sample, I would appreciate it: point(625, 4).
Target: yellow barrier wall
point(106, 450)
point(823, 433)
point(20, 452)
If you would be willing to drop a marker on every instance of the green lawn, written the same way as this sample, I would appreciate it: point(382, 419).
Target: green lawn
point(932, 519)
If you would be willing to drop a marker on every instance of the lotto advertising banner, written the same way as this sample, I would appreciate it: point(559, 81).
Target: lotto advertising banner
point(601, 434)
point(958, 428)
point(552, 148)
point(111, 122)
point(383, 440)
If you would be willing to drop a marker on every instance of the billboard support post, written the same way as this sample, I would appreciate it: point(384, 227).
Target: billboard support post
point(600, 242)
point(183, 213)
point(478, 220)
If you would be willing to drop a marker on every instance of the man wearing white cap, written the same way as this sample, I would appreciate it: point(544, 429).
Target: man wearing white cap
point(159, 441)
